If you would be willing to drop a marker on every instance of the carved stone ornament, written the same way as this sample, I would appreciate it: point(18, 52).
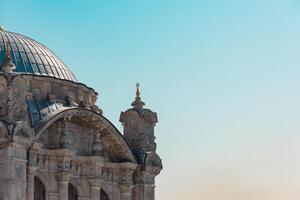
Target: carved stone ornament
point(66, 138)
point(97, 109)
point(70, 100)
point(63, 176)
point(94, 182)
point(8, 66)
point(97, 146)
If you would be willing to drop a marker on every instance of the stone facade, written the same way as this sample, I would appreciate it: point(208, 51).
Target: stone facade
point(55, 144)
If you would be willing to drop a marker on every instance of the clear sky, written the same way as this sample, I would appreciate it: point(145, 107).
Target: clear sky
point(222, 75)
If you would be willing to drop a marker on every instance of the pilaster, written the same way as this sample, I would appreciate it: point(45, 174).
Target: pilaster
point(63, 179)
point(30, 182)
point(126, 191)
point(14, 171)
point(95, 187)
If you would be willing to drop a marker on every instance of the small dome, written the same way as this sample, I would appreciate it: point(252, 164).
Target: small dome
point(31, 57)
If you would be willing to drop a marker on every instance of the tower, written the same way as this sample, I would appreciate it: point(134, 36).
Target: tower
point(138, 131)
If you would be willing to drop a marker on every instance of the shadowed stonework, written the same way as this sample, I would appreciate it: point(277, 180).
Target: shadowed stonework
point(54, 141)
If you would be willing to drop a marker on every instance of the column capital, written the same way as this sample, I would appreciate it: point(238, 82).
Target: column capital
point(63, 176)
point(94, 182)
point(126, 188)
point(31, 170)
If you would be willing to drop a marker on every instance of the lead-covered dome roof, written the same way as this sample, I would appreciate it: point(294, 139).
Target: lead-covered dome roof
point(31, 57)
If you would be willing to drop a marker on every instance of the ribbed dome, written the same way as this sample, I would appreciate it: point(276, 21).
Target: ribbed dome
point(31, 57)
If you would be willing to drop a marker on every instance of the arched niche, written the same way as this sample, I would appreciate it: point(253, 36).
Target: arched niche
point(91, 123)
point(131, 121)
point(103, 195)
point(39, 189)
point(72, 192)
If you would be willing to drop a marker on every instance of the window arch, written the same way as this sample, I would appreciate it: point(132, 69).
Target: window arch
point(72, 193)
point(39, 189)
point(103, 195)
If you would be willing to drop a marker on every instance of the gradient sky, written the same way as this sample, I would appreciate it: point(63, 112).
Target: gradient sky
point(222, 75)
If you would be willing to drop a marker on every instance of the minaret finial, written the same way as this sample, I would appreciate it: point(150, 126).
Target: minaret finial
point(137, 90)
point(138, 104)
point(8, 66)
point(7, 52)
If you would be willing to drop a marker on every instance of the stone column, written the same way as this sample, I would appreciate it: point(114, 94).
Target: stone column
point(14, 174)
point(95, 186)
point(150, 189)
point(126, 192)
point(63, 179)
point(52, 196)
point(30, 184)
point(8, 180)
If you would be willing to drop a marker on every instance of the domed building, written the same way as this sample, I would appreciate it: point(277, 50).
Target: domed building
point(55, 143)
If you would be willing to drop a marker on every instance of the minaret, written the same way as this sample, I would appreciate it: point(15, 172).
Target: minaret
point(138, 123)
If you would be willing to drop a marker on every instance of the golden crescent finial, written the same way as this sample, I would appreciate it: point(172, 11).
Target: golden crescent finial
point(138, 90)
point(7, 51)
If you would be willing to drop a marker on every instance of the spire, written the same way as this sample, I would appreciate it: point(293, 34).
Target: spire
point(138, 103)
point(8, 66)
point(137, 90)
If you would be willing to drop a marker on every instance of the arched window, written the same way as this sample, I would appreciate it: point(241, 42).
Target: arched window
point(72, 192)
point(39, 189)
point(103, 195)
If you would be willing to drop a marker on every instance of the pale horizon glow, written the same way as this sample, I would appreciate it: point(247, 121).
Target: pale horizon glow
point(223, 77)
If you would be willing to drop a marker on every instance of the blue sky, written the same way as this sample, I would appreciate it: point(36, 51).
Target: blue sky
point(222, 75)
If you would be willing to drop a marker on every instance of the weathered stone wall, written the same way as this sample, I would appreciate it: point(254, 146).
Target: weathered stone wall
point(1, 175)
point(51, 129)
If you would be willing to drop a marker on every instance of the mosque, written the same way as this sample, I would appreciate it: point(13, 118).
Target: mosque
point(55, 143)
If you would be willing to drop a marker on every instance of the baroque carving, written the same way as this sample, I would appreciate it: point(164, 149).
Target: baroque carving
point(66, 138)
point(107, 174)
point(16, 101)
point(97, 145)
